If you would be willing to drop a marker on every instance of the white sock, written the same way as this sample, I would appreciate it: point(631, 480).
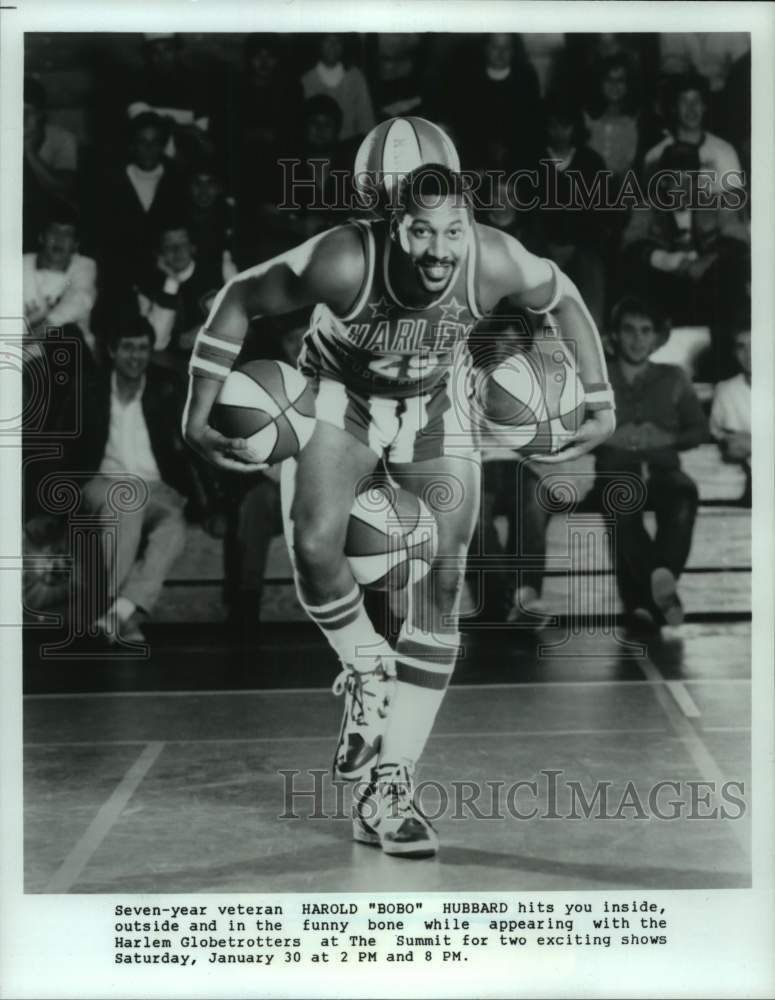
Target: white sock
point(348, 628)
point(424, 665)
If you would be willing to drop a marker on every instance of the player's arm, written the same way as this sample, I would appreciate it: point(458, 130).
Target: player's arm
point(508, 269)
point(327, 269)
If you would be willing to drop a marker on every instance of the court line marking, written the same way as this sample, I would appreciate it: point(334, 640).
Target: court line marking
point(683, 699)
point(701, 756)
point(261, 692)
point(83, 851)
point(315, 739)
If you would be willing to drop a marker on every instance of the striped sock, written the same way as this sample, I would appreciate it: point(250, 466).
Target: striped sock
point(424, 664)
point(347, 627)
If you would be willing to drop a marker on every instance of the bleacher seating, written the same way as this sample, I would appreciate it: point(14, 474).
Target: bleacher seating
point(717, 577)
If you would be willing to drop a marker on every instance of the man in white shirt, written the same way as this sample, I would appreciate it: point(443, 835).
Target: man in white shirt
point(730, 415)
point(687, 113)
point(132, 441)
point(59, 284)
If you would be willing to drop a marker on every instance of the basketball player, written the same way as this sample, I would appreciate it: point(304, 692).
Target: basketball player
point(395, 301)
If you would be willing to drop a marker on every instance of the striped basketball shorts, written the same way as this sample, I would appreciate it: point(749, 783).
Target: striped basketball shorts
point(413, 429)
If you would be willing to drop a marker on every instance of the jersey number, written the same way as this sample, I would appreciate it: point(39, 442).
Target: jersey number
point(413, 366)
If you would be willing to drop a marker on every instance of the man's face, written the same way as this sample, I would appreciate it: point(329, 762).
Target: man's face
point(131, 357)
point(147, 148)
point(320, 133)
point(636, 339)
point(615, 85)
point(743, 351)
point(498, 51)
point(435, 235)
point(204, 189)
point(263, 63)
point(57, 245)
point(177, 250)
point(330, 50)
point(560, 133)
point(690, 109)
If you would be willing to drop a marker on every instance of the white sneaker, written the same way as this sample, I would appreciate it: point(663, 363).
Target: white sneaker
point(367, 697)
point(387, 816)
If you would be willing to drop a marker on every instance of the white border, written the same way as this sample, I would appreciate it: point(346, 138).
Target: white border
point(47, 943)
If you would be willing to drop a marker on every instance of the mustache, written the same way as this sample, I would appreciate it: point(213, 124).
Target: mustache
point(435, 261)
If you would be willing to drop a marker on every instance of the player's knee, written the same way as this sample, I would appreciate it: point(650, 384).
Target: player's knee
point(317, 545)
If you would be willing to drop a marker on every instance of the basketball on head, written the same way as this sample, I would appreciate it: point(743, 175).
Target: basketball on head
point(392, 150)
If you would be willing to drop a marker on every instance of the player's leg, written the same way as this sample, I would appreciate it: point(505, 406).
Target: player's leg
point(426, 651)
point(428, 645)
point(319, 490)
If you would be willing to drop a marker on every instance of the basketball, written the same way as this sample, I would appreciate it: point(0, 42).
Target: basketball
point(391, 150)
point(268, 404)
point(391, 538)
point(532, 401)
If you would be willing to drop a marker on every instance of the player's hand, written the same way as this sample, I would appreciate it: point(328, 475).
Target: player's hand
point(596, 429)
point(225, 453)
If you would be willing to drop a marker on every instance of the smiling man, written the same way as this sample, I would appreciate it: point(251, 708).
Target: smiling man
point(659, 415)
point(395, 301)
point(133, 414)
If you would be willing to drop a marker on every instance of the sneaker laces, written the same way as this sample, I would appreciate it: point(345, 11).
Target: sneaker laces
point(353, 682)
point(397, 784)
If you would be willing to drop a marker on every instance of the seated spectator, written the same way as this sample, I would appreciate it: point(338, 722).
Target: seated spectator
point(175, 297)
point(396, 75)
point(544, 50)
point(346, 84)
point(260, 121)
point(496, 102)
point(658, 415)
point(253, 507)
point(612, 117)
point(686, 124)
point(170, 87)
point(50, 163)
point(693, 260)
point(730, 414)
point(59, 285)
point(135, 412)
point(500, 211)
point(310, 194)
point(574, 230)
point(510, 489)
point(132, 206)
point(709, 53)
point(209, 218)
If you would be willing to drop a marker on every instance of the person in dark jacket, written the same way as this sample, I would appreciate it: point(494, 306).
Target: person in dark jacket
point(573, 226)
point(131, 207)
point(658, 416)
point(130, 443)
point(692, 256)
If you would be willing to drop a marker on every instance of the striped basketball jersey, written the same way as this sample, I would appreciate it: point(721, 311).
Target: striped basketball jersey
point(383, 347)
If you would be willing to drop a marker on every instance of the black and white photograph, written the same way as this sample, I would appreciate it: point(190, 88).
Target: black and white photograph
point(387, 496)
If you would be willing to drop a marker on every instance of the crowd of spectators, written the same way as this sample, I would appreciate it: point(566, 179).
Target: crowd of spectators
point(180, 177)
